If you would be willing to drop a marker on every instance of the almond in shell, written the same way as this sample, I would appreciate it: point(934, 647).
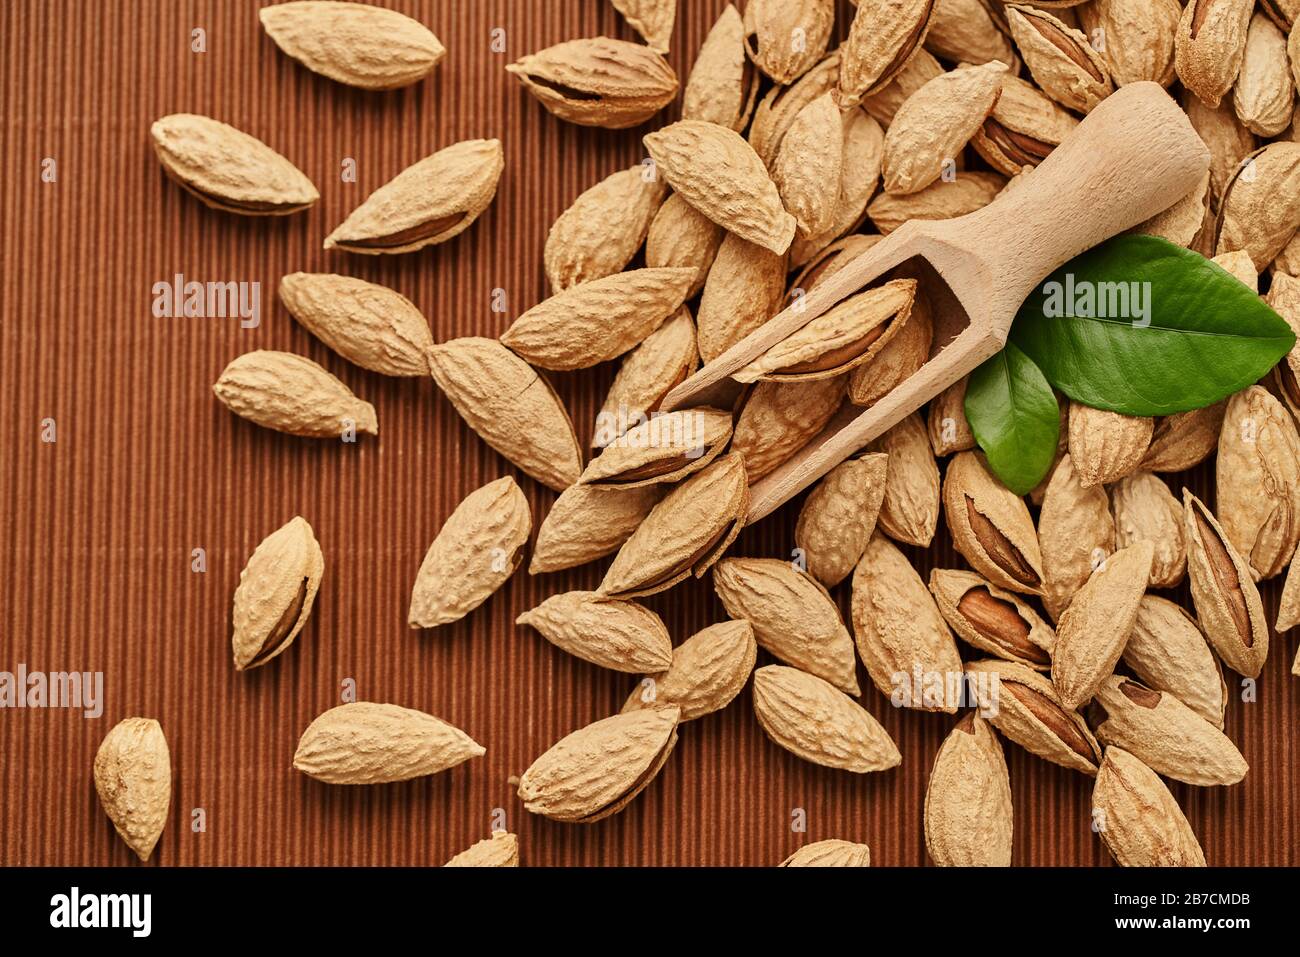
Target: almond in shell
point(1060, 58)
point(1139, 37)
point(1106, 446)
point(784, 38)
point(589, 522)
point(499, 850)
point(900, 357)
point(916, 72)
point(910, 510)
point(619, 635)
point(990, 526)
point(653, 19)
point(1167, 652)
point(884, 35)
point(1145, 510)
point(682, 236)
point(777, 110)
point(864, 144)
point(945, 199)
point(666, 448)
point(133, 777)
point(968, 820)
point(839, 515)
point(290, 393)
point(275, 595)
point(1210, 45)
point(723, 83)
point(707, 671)
point(995, 621)
point(1138, 819)
point(779, 418)
point(946, 421)
point(809, 165)
point(832, 853)
point(1185, 439)
point(745, 288)
point(648, 373)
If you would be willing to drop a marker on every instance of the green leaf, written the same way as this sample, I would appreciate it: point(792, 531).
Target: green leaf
point(1013, 413)
point(1204, 335)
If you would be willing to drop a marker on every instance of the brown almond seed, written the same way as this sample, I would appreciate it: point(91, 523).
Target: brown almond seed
point(587, 523)
point(598, 81)
point(428, 202)
point(1210, 45)
point(1145, 510)
point(723, 83)
point(499, 850)
point(1106, 446)
point(275, 595)
point(916, 72)
point(910, 510)
point(995, 621)
point(619, 635)
point(899, 358)
point(1076, 533)
point(684, 534)
point(793, 616)
point(1184, 440)
point(290, 393)
point(1258, 481)
point(1167, 651)
point(946, 421)
point(838, 517)
point(784, 38)
point(649, 372)
point(941, 200)
point(1139, 37)
point(707, 671)
point(133, 777)
point(664, 449)
point(653, 19)
point(600, 233)
point(830, 854)
point(864, 143)
point(1265, 91)
point(778, 108)
point(810, 164)
point(598, 320)
point(596, 771)
point(1092, 632)
point(1165, 734)
point(968, 820)
point(1282, 12)
point(990, 526)
point(719, 174)
point(882, 38)
point(478, 547)
point(368, 743)
point(1226, 598)
point(1138, 819)
point(1060, 58)
point(779, 418)
point(898, 628)
point(745, 288)
point(1024, 707)
point(1260, 207)
point(812, 720)
point(1023, 129)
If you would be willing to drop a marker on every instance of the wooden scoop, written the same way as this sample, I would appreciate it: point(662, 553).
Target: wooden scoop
point(1134, 156)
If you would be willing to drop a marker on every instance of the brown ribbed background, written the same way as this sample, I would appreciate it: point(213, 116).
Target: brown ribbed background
point(99, 527)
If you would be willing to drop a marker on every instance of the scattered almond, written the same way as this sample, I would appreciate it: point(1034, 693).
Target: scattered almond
point(598, 81)
point(707, 671)
point(275, 595)
point(133, 776)
point(290, 393)
point(619, 635)
point(968, 800)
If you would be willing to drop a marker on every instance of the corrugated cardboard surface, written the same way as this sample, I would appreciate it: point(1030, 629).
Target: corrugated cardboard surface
point(101, 525)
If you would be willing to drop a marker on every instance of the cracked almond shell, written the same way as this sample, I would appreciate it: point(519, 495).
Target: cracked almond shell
point(899, 359)
point(946, 422)
point(1140, 37)
point(1023, 128)
point(133, 777)
point(990, 526)
point(510, 406)
point(1210, 45)
point(1168, 652)
point(883, 36)
point(794, 618)
point(707, 671)
point(596, 771)
point(814, 721)
point(227, 169)
point(1137, 818)
point(290, 393)
point(275, 595)
point(499, 850)
point(771, 27)
point(589, 522)
point(477, 549)
point(832, 853)
point(354, 43)
point(429, 202)
point(1060, 58)
point(598, 81)
point(968, 821)
point(995, 621)
point(619, 635)
point(723, 84)
point(1145, 510)
point(839, 515)
point(666, 448)
point(369, 743)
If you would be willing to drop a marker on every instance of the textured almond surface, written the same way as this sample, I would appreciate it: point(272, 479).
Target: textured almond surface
point(779, 418)
point(722, 83)
point(682, 236)
point(133, 775)
point(276, 590)
point(663, 360)
point(909, 512)
point(744, 289)
point(499, 850)
point(620, 635)
point(1140, 822)
point(1145, 510)
point(809, 164)
point(290, 393)
point(707, 671)
point(772, 25)
point(653, 19)
point(588, 522)
point(839, 515)
point(968, 819)
point(1168, 652)
point(832, 853)
point(990, 525)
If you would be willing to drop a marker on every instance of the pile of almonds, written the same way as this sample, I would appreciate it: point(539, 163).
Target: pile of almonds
point(791, 158)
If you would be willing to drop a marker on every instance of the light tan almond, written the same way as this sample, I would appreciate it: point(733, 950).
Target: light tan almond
point(1023, 128)
point(1185, 439)
point(664, 449)
point(598, 81)
point(809, 165)
point(935, 123)
point(1060, 58)
point(723, 84)
point(275, 595)
point(1260, 207)
point(778, 108)
point(832, 853)
point(368, 743)
point(1258, 481)
point(511, 407)
point(1092, 632)
point(133, 777)
point(945, 199)
point(719, 174)
point(995, 621)
point(1164, 734)
point(369, 325)
point(1284, 297)
point(600, 233)
point(429, 202)
point(598, 320)
point(1167, 651)
point(968, 820)
point(884, 35)
point(649, 372)
point(1288, 610)
point(1022, 704)
point(990, 526)
point(1138, 819)
point(745, 288)
point(946, 421)
point(784, 38)
point(354, 43)
point(964, 31)
point(1145, 510)
point(1265, 91)
point(839, 515)
point(1227, 601)
point(1210, 45)
point(916, 72)
point(812, 720)
point(619, 635)
point(681, 236)
point(1184, 222)
point(227, 169)
point(1106, 446)
point(653, 19)
point(793, 616)
point(899, 630)
point(864, 143)
point(1228, 140)
point(290, 393)
point(780, 418)
point(1240, 266)
point(588, 522)
point(1076, 533)
point(478, 547)
point(707, 671)
point(900, 358)
point(499, 850)
point(1138, 37)
point(684, 534)
point(910, 510)
point(596, 771)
